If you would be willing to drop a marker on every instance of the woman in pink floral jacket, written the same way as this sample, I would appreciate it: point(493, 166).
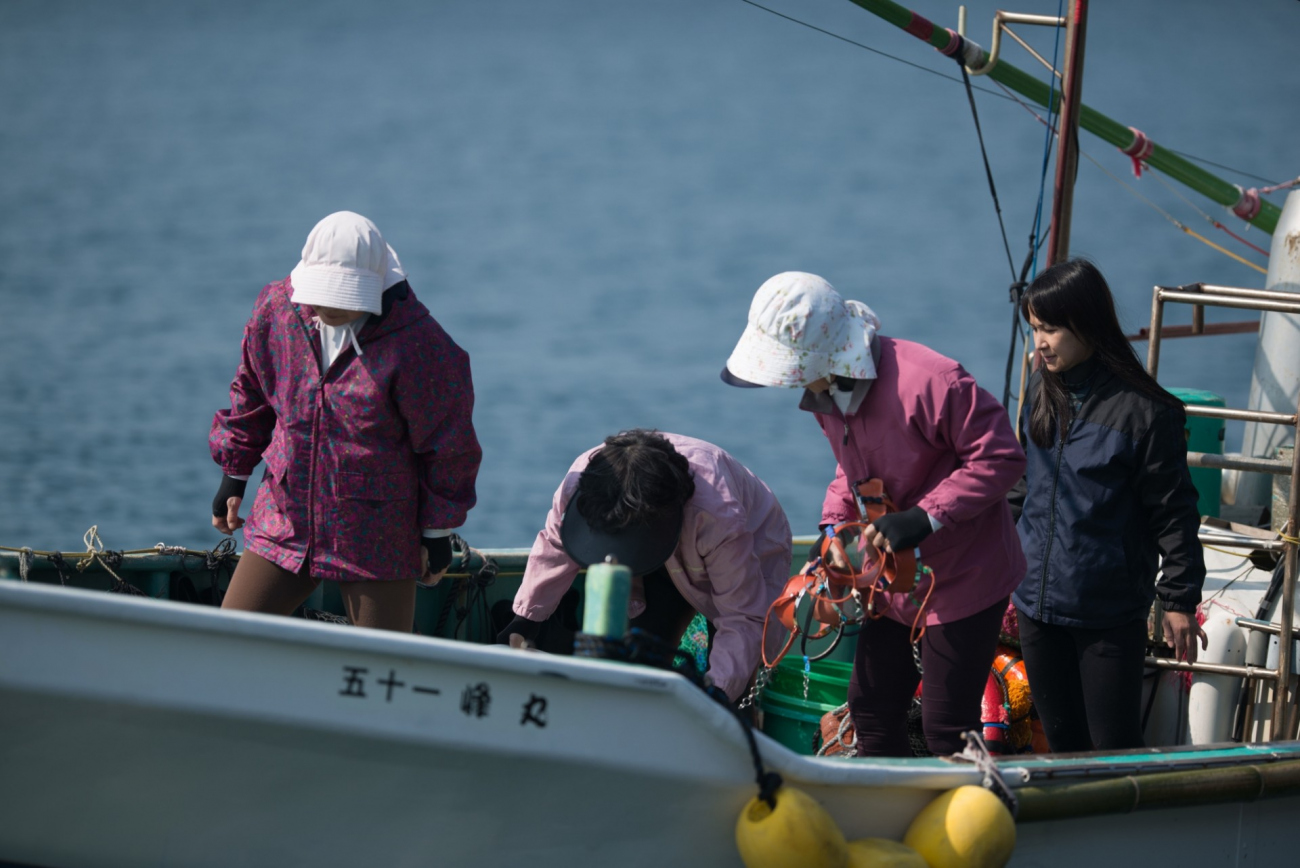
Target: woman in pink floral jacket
point(898, 412)
point(360, 405)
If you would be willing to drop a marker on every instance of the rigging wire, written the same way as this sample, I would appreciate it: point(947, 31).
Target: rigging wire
point(1153, 205)
point(1215, 223)
point(867, 47)
point(1218, 165)
point(988, 171)
point(1029, 270)
point(1225, 251)
point(1005, 96)
point(1053, 121)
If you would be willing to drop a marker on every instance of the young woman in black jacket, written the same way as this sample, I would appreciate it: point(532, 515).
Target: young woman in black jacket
point(1109, 503)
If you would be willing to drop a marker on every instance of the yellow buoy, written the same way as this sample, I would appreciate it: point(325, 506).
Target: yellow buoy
point(968, 827)
point(883, 853)
point(797, 833)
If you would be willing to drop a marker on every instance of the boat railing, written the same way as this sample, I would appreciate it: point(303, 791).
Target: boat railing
point(1285, 720)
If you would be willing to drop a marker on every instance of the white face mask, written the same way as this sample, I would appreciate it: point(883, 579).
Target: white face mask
point(334, 338)
point(840, 397)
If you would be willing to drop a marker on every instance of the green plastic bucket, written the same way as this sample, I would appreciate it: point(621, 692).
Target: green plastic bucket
point(793, 722)
point(828, 680)
point(1204, 435)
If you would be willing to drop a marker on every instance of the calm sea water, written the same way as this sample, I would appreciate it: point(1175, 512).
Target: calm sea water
point(585, 192)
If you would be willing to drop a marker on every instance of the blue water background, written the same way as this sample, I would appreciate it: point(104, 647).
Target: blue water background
point(586, 193)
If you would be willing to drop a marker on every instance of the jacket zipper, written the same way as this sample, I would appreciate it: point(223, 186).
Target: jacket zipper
point(313, 341)
point(1051, 524)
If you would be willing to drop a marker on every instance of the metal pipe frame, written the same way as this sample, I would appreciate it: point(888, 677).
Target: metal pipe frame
point(1263, 545)
point(1032, 53)
point(1289, 557)
point(1185, 331)
point(1232, 301)
point(999, 19)
point(1215, 461)
point(1213, 668)
point(1235, 291)
point(1067, 139)
point(1285, 719)
point(1261, 626)
point(1243, 415)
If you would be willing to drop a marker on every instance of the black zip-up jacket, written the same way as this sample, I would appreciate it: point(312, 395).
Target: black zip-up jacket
point(1107, 508)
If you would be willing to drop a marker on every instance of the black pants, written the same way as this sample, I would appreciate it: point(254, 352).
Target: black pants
point(956, 658)
point(1087, 684)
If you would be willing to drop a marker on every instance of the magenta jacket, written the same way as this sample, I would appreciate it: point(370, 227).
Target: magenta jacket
point(359, 458)
point(731, 562)
point(940, 442)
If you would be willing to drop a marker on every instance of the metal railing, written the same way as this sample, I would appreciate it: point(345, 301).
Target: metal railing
point(1200, 296)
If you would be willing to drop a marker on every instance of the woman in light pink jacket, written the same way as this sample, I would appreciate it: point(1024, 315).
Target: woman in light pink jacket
point(944, 448)
point(698, 530)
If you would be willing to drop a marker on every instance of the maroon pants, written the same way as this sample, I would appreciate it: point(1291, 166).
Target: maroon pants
point(956, 658)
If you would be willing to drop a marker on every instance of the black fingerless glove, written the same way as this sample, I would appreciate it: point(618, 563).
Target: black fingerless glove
point(906, 529)
point(439, 549)
point(230, 487)
point(524, 627)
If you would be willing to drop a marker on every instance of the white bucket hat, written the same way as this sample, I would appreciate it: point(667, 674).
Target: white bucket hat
point(801, 330)
point(345, 264)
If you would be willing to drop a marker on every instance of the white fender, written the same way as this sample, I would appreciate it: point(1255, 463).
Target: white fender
point(1275, 383)
point(1212, 703)
point(1166, 723)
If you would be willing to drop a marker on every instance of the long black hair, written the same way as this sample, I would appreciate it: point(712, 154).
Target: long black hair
point(1074, 295)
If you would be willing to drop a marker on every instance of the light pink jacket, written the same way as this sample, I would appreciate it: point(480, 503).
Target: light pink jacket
point(940, 442)
point(731, 562)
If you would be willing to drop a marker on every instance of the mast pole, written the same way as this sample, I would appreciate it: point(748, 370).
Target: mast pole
point(1067, 149)
point(1262, 213)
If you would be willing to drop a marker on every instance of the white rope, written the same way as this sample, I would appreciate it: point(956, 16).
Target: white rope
point(977, 752)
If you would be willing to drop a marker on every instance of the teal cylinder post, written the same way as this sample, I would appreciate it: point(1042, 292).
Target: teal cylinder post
point(609, 586)
point(1204, 435)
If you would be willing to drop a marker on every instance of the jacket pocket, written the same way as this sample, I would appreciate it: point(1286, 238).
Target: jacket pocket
point(276, 463)
point(374, 486)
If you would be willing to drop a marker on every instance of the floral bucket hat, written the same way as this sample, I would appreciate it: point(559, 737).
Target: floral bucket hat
point(801, 330)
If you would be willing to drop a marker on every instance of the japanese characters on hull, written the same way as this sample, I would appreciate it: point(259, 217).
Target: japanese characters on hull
point(475, 698)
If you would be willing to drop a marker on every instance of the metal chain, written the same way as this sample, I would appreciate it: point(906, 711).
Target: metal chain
point(760, 682)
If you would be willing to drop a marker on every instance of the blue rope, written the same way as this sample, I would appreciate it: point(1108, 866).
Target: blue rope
point(1053, 113)
point(1029, 270)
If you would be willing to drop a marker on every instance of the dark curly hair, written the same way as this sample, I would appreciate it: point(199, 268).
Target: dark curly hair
point(636, 475)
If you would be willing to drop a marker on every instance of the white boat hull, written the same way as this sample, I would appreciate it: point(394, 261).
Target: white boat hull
point(142, 733)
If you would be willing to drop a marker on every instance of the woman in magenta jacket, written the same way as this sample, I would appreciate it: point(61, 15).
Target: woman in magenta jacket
point(360, 405)
point(945, 450)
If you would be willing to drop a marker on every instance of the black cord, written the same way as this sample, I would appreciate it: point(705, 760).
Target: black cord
point(988, 171)
point(1188, 156)
point(1017, 290)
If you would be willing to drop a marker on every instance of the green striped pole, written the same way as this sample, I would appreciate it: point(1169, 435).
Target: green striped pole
point(1093, 121)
